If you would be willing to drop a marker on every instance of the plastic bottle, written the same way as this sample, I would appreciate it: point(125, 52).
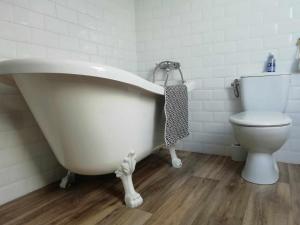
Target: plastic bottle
point(271, 63)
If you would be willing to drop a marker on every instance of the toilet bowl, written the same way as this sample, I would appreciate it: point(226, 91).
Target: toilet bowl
point(261, 134)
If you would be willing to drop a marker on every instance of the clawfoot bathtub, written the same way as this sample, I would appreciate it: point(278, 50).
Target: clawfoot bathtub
point(97, 119)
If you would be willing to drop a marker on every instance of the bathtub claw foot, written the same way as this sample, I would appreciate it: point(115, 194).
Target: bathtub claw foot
point(132, 198)
point(67, 181)
point(176, 162)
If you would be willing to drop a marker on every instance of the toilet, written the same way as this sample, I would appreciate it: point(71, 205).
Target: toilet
point(262, 128)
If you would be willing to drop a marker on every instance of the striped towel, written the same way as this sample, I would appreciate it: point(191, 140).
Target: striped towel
point(176, 111)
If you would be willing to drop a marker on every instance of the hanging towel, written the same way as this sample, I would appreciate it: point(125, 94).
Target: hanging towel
point(176, 111)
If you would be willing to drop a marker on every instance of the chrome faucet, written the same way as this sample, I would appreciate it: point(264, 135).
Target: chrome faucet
point(167, 66)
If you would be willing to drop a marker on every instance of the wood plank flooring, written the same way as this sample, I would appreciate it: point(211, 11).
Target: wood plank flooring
point(207, 190)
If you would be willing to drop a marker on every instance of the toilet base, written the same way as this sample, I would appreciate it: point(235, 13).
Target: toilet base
point(260, 168)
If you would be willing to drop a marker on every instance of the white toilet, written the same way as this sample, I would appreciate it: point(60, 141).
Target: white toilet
point(263, 127)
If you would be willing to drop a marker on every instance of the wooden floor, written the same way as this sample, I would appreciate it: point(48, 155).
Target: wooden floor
point(207, 190)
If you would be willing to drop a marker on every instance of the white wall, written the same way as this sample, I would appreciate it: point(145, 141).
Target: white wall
point(101, 31)
point(216, 41)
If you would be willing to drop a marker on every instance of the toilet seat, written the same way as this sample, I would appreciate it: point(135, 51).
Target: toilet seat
point(260, 119)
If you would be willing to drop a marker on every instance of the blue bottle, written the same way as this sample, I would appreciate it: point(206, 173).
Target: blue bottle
point(271, 63)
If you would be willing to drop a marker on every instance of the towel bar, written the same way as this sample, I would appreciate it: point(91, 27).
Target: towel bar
point(168, 66)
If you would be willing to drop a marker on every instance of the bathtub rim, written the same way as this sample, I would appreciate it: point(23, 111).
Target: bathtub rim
point(76, 68)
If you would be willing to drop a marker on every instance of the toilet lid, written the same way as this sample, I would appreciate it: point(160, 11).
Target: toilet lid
point(260, 119)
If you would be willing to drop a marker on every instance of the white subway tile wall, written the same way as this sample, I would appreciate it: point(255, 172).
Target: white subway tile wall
point(91, 30)
point(101, 31)
point(217, 41)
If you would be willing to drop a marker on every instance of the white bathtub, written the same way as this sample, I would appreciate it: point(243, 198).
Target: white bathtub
point(92, 115)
